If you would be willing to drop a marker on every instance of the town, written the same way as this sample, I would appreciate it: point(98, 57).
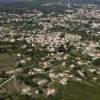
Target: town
point(49, 51)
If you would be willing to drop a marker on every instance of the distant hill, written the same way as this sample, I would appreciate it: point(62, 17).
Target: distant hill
point(38, 3)
point(42, 1)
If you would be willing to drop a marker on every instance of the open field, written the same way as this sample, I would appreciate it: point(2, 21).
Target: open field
point(75, 91)
point(6, 62)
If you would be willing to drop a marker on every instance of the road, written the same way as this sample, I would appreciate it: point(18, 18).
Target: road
point(7, 81)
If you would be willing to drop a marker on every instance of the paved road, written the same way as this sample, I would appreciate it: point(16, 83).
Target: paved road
point(7, 81)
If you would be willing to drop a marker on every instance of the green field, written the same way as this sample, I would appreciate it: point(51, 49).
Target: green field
point(6, 62)
point(75, 91)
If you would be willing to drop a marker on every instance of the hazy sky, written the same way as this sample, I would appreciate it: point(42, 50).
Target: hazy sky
point(14, 0)
point(35, 0)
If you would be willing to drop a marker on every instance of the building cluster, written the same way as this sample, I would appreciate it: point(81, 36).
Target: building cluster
point(52, 48)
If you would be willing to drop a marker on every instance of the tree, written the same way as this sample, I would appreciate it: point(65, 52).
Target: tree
point(96, 62)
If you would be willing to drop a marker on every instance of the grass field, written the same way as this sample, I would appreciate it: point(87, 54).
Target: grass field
point(75, 91)
point(6, 62)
